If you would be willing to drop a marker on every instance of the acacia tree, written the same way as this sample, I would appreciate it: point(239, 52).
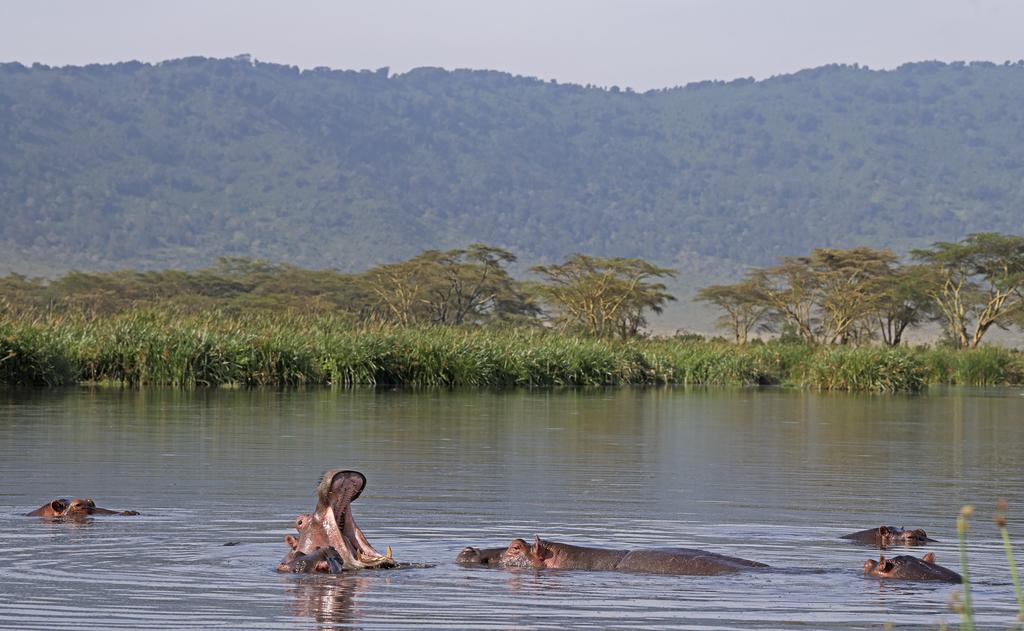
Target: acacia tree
point(742, 303)
point(461, 286)
point(603, 297)
point(827, 297)
point(975, 284)
point(472, 284)
point(789, 291)
point(396, 292)
point(901, 302)
point(847, 284)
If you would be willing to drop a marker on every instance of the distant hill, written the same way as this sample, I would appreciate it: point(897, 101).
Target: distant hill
point(173, 164)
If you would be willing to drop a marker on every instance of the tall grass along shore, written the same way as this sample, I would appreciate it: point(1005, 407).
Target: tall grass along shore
point(160, 347)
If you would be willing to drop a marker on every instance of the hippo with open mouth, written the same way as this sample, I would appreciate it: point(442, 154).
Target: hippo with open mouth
point(683, 561)
point(332, 526)
point(887, 536)
point(75, 508)
point(908, 568)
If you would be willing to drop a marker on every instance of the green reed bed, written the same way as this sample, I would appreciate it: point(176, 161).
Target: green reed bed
point(984, 366)
point(35, 355)
point(866, 369)
point(162, 347)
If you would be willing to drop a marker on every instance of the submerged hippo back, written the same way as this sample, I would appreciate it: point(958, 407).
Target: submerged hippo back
point(584, 558)
point(683, 561)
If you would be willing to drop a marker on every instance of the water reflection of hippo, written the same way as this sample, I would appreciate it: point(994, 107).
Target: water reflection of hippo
point(332, 526)
point(480, 556)
point(74, 508)
point(910, 568)
point(548, 554)
point(886, 536)
point(335, 601)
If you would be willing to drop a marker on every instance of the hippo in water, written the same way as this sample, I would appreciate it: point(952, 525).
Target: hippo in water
point(548, 554)
point(908, 568)
point(888, 536)
point(331, 525)
point(74, 509)
point(319, 561)
point(480, 556)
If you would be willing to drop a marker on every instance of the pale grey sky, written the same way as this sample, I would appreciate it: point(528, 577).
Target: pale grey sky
point(637, 43)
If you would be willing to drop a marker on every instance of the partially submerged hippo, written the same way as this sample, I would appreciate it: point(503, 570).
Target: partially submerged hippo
point(887, 536)
point(480, 556)
point(332, 526)
point(319, 561)
point(908, 568)
point(548, 554)
point(74, 509)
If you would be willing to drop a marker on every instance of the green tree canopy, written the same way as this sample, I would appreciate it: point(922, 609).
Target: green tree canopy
point(460, 286)
point(603, 296)
point(975, 283)
point(743, 305)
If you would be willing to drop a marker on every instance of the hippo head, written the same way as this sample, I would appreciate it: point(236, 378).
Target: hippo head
point(517, 554)
point(883, 567)
point(916, 537)
point(910, 568)
point(301, 521)
point(80, 507)
point(332, 525)
point(66, 508)
point(58, 507)
point(890, 536)
point(74, 509)
point(480, 556)
point(319, 561)
point(521, 554)
point(469, 555)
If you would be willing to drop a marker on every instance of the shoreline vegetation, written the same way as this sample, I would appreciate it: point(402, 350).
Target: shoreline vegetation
point(165, 347)
point(459, 318)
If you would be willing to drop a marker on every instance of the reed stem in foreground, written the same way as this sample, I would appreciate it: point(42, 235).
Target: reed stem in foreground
point(1000, 519)
point(966, 611)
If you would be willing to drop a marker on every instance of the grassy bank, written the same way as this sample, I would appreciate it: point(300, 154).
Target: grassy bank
point(162, 348)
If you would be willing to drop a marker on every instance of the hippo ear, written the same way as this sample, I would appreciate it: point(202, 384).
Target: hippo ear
point(884, 564)
point(929, 558)
point(90, 503)
point(292, 542)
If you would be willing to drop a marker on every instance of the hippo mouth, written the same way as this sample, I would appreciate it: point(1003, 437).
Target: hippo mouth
point(337, 492)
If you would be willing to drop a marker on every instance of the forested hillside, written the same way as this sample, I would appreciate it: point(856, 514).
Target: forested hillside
point(174, 164)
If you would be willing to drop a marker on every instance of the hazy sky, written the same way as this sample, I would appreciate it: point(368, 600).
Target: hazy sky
point(637, 43)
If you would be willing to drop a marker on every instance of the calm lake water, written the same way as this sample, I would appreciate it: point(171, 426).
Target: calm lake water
point(770, 475)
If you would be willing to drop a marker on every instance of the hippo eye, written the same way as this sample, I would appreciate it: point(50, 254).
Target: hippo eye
point(59, 505)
